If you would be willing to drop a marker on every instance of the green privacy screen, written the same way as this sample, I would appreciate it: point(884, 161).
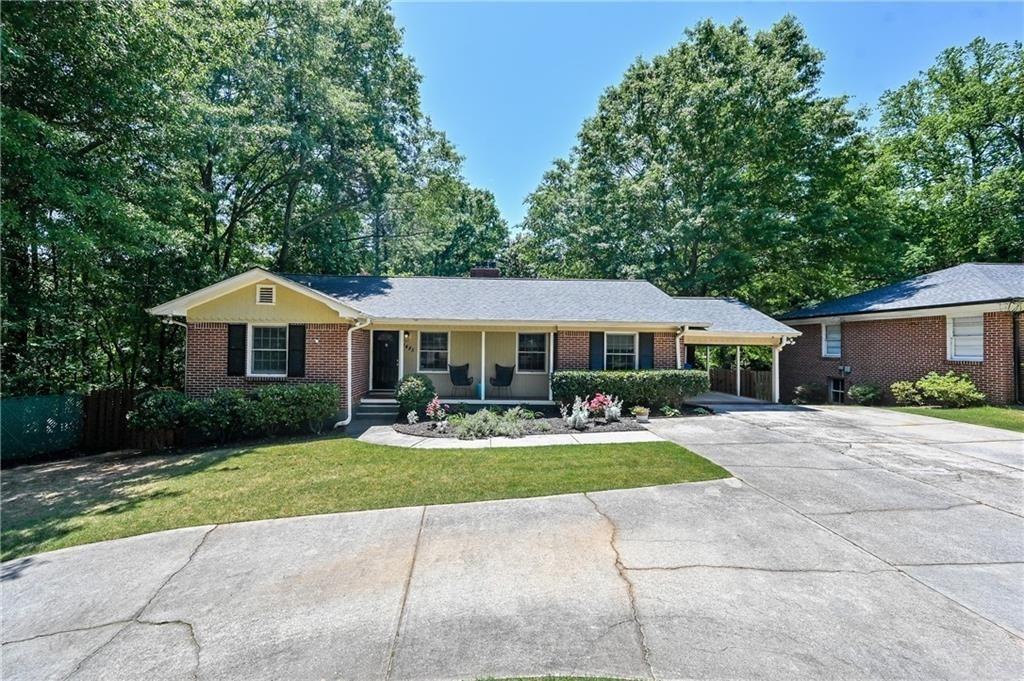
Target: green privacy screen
point(39, 424)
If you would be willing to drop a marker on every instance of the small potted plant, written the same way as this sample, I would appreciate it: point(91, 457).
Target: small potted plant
point(641, 413)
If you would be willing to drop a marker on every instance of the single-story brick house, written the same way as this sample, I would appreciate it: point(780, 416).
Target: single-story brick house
point(965, 319)
point(364, 333)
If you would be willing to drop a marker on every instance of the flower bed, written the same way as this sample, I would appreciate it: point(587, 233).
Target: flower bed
point(545, 421)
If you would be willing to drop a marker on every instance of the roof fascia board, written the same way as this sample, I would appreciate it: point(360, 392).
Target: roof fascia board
point(934, 311)
point(514, 323)
point(179, 307)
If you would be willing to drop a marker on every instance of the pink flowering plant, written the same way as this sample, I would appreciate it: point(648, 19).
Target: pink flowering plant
point(435, 410)
point(598, 403)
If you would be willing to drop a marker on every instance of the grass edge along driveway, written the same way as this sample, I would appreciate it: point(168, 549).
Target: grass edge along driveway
point(67, 503)
point(1007, 418)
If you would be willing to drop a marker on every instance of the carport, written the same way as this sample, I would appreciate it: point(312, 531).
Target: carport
point(735, 324)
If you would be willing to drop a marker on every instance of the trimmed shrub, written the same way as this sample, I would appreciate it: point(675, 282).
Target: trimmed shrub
point(414, 393)
point(865, 394)
point(647, 387)
point(949, 390)
point(227, 414)
point(905, 393)
point(809, 393)
point(292, 408)
point(159, 410)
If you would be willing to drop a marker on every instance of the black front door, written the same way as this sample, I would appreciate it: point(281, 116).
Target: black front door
point(385, 360)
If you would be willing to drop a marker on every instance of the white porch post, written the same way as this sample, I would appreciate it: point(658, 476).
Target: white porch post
point(775, 374)
point(483, 365)
point(551, 362)
point(737, 371)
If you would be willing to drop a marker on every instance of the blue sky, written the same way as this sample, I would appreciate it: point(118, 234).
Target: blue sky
point(510, 83)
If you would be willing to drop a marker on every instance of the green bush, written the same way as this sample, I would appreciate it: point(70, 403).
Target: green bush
point(414, 393)
point(159, 410)
point(292, 408)
point(949, 390)
point(649, 388)
point(865, 394)
point(905, 393)
point(809, 393)
point(490, 423)
point(225, 415)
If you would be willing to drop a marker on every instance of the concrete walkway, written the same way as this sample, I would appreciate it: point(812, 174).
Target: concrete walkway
point(852, 544)
point(386, 435)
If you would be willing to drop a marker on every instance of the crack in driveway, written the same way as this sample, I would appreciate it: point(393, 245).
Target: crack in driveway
point(630, 589)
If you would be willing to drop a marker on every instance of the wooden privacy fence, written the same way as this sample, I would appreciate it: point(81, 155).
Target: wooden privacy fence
point(105, 426)
point(37, 425)
point(756, 384)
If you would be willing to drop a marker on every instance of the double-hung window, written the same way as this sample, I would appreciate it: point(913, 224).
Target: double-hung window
point(269, 351)
point(966, 338)
point(433, 351)
point(620, 351)
point(531, 356)
point(831, 340)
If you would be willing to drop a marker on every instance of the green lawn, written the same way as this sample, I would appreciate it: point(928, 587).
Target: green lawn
point(50, 506)
point(1007, 418)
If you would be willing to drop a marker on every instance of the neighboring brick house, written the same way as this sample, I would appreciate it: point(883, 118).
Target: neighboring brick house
point(364, 334)
point(965, 319)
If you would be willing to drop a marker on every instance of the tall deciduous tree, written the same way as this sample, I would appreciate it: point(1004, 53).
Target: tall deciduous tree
point(954, 144)
point(716, 168)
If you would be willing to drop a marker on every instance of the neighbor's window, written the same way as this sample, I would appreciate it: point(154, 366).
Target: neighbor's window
point(831, 340)
point(531, 352)
point(619, 351)
point(433, 351)
point(837, 390)
point(269, 351)
point(966, 338)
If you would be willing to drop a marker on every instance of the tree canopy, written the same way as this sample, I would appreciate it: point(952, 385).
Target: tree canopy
point(153, 148)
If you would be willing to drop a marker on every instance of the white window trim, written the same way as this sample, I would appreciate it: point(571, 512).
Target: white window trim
point(949, 339)
point(249, 350)
point(419, 353)
point(273, 294)
point(636, 347)
point(824, 340)
point(546, 350)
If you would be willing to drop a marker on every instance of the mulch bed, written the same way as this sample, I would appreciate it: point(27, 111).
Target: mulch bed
point(557, 425)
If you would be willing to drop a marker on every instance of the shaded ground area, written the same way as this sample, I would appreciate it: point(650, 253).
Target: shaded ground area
point(852, 544)
point(66, 503)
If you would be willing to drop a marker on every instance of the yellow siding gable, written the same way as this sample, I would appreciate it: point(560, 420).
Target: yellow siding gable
point(240, 306)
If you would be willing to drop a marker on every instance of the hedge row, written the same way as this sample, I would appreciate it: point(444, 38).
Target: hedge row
point(230, 413)
point(646, 388)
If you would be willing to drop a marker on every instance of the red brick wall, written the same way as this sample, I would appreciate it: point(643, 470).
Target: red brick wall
point(207, 352)
point(884, 351)
point(360, 364)
point(665, 351)
point(573, 350)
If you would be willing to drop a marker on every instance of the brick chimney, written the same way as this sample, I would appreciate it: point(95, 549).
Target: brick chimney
point(487, 270)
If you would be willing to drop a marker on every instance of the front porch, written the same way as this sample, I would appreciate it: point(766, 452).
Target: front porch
point(469, 366)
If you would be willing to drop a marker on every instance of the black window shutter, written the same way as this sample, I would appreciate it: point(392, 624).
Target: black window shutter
point(236, 349)
point(554, 353)
point(296, 350)
point(647, 351)
point(596, 350)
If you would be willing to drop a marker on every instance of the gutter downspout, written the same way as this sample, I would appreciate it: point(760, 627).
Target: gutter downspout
point(348, 378)
point(679, 361)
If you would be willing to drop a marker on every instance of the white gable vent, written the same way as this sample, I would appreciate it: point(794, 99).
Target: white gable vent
point(266, 294)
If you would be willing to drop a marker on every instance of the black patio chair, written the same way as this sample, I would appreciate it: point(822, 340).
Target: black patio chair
point(502, 379)
point(460, 378)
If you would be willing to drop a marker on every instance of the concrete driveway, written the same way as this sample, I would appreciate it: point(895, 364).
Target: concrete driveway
point(853, 543)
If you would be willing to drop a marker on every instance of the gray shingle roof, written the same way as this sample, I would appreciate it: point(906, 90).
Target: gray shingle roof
point(730, 315)
point(960, 285)
point(534, 300)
